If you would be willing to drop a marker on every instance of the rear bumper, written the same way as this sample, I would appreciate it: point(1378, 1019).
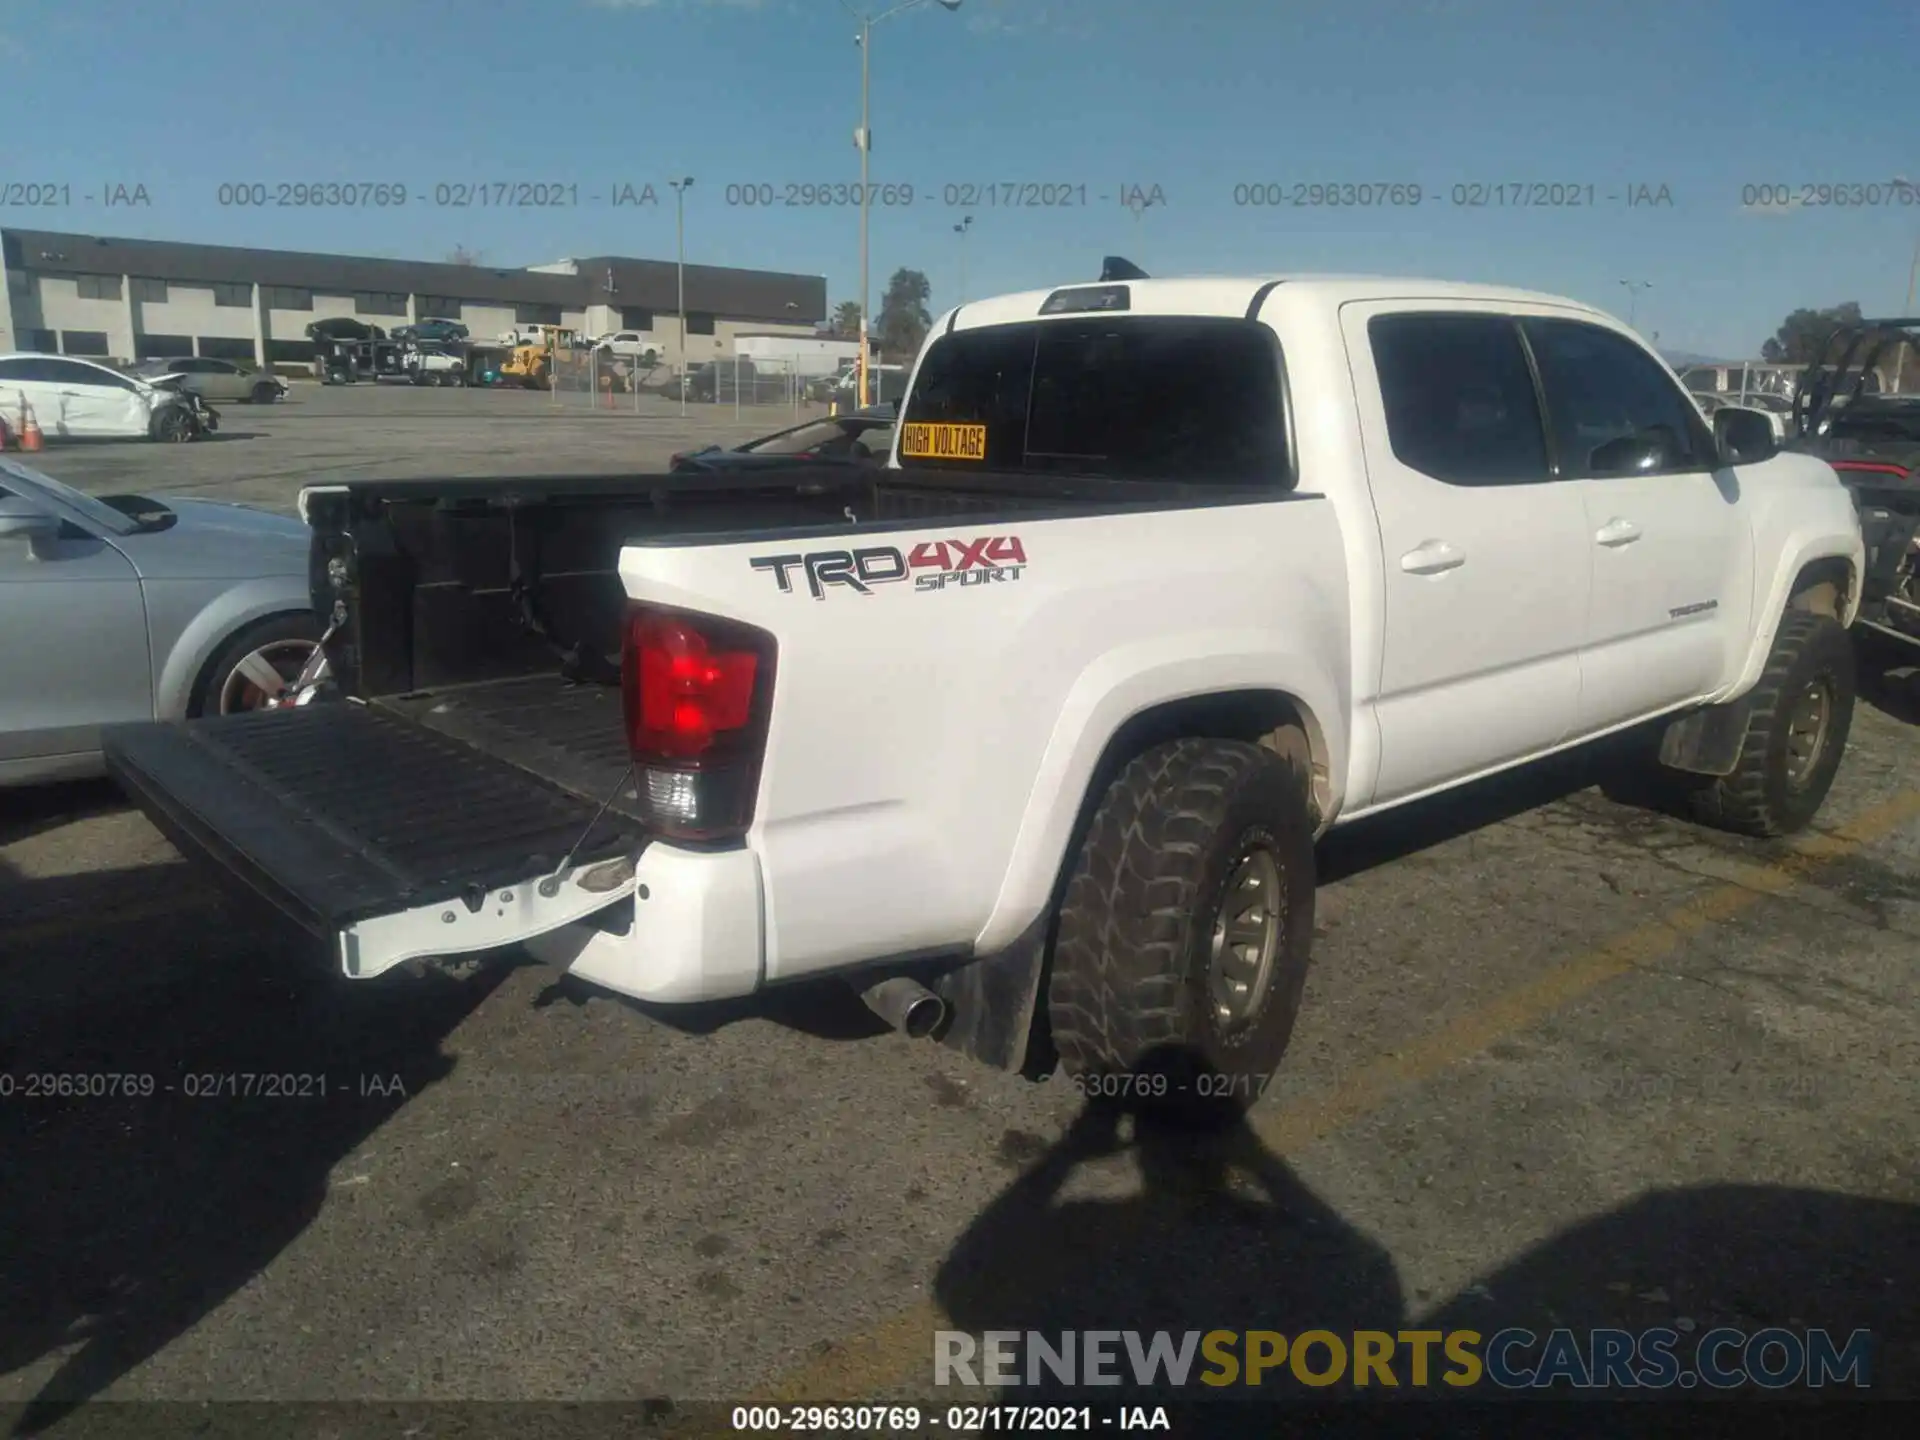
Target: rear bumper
point(693, 930)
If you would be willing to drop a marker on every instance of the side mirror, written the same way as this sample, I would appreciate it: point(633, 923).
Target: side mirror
point(18, 518)
point(1745, 437)
point(1629, 455)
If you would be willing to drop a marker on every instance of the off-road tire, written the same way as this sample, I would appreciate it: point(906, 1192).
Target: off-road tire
point(1757, 798)
point(1128, 998)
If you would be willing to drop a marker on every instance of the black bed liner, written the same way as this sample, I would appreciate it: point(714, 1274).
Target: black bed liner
point(334, 813)
point(571, 735)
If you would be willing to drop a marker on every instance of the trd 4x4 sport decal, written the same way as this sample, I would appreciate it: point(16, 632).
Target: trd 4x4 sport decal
point(931, 565)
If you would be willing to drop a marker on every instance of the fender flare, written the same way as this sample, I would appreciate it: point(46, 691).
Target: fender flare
point(1773, 607)
point(1115, 690)
point(994, 996)
point(216, 623)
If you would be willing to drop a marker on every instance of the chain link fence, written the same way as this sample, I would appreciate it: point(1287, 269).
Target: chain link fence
point(601, 380)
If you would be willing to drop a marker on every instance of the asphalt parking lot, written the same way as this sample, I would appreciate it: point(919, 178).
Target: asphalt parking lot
point(1564, 1061)
point(261, 455)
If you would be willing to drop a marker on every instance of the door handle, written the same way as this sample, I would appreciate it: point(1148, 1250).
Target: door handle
point(1617, 532)
point(1432, 557)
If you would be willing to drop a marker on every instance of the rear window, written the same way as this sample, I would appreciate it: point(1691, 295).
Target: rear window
point(1132, 398)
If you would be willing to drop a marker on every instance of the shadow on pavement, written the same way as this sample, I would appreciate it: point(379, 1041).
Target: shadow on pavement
point(824, 1010)
point(1219, 1233)
point(27, 811)
point(164, 1139)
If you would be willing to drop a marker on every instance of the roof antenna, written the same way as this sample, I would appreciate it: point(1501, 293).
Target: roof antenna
point(1116, 268)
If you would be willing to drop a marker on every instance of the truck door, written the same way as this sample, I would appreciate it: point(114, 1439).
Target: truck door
point(1668, 543)
point(1484, 553)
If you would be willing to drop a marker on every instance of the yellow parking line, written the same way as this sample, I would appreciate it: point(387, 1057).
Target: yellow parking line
point(866, 1363)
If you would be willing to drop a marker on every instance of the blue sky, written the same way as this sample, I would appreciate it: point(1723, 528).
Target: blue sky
point(1192, 96)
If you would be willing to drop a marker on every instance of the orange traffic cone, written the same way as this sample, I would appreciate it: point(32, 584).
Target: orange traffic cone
point(30, 436)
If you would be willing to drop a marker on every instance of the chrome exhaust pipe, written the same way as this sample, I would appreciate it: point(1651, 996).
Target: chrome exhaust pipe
point(906, 1005)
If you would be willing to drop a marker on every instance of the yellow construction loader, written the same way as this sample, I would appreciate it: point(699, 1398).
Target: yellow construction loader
point(530, 362)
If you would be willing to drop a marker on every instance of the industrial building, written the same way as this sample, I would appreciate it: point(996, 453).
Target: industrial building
point(148, 299)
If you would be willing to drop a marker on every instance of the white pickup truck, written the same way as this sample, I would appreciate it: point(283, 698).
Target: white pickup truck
point(1032, 733)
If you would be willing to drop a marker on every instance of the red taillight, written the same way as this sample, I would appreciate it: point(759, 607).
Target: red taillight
point(696, 691)
point(1871, 467)
point(684, 692)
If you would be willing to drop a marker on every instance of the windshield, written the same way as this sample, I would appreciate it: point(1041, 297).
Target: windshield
point(26, 481)
point(1139, 397)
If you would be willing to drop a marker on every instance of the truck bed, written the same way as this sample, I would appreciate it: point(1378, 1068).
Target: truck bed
point(429, 809)
point(432, 605)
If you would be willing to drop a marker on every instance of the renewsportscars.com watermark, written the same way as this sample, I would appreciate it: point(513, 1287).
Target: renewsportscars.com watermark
point(1510, 1359)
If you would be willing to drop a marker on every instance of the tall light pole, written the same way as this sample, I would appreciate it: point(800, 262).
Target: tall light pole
point(1634, 287)
point(1900, 371)
point(961, 230)
point(863, 137)
point(680, 188)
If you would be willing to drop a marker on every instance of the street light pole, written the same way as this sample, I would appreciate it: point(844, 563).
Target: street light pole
point(680, 246)
point(1899, 371)
point(863, 137)
point(1634, 287)
point(866, 155)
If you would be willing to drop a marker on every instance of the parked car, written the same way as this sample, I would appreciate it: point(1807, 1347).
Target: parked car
point(75, 399)
point(885, 383)
point(863, 437)
point(343, 327)
point(437, 331)
point(215, 379)
point(718, 380)
point(1051, 711)
point(127, 608)
point(629, 344)
point(431, 365)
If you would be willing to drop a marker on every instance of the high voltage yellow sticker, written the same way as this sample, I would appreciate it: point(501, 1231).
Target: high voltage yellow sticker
point(944, 442)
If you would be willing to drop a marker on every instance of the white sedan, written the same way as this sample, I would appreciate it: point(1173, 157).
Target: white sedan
point(75, 399)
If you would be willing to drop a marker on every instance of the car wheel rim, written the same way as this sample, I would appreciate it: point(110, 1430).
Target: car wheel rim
point(1246, 939)
point(1807, 726)
point(174, 426)
point(264, 677)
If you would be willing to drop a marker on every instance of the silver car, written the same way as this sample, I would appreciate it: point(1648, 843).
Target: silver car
point(124, 608)
point(222, 380)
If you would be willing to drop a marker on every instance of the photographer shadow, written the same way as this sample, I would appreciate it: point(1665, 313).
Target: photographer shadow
point(1218, 1234)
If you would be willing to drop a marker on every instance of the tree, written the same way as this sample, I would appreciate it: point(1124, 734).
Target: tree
point(904, 320)
point(1802, 333)
point(846, 319)
point(463, 256)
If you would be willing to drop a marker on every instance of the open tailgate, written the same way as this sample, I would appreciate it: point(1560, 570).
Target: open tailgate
point(385, 839)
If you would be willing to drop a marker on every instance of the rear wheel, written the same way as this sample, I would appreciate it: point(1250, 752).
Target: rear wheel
point(257, 666)
point(1802, 713)
point(1183, 938)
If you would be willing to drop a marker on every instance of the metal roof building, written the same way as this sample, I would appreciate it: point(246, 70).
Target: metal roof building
point(136, 299)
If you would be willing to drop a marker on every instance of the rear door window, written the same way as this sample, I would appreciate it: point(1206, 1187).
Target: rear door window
point(1459, 398)
point(1134, 397)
